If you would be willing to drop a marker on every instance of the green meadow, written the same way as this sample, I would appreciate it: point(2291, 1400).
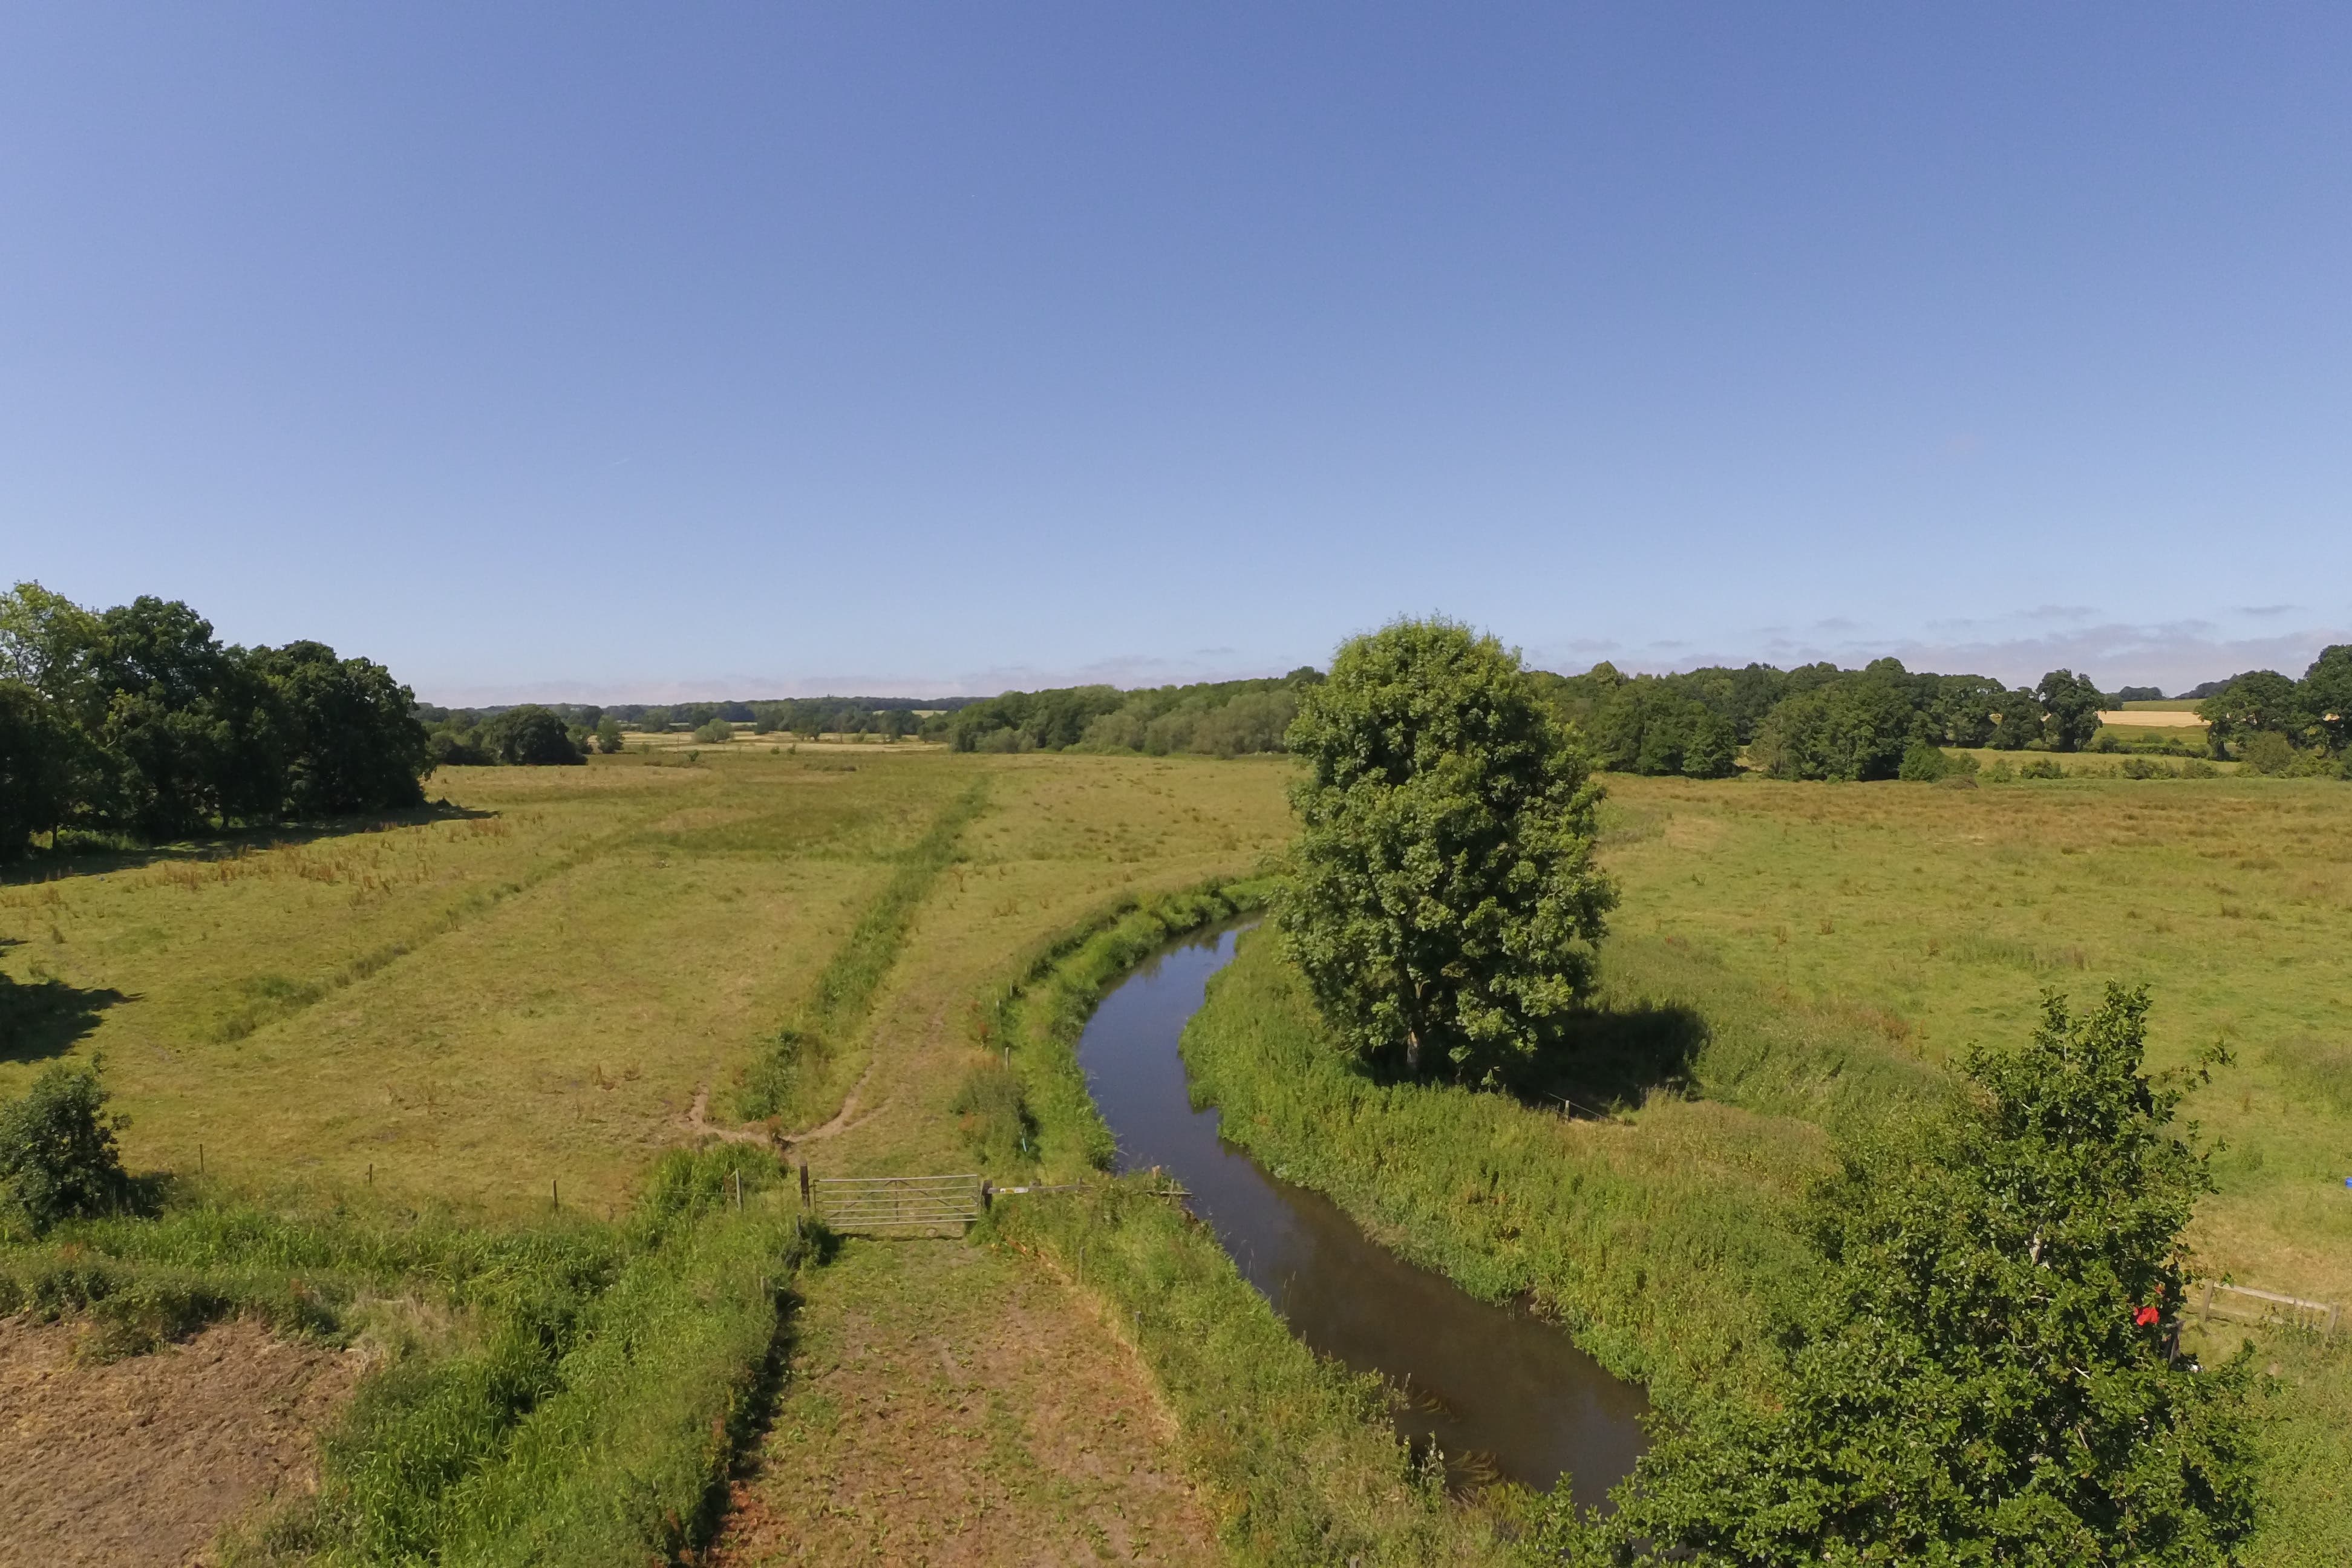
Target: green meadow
point(412, 1082)
point(1793, 960)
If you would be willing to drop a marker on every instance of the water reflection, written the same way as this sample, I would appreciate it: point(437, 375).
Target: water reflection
point(1502, 1392)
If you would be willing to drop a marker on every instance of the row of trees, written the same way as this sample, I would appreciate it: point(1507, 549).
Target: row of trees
point(2280, 725)
point(525, 736)
point(1816, 721)
point(138, 720)
point(1221, 718)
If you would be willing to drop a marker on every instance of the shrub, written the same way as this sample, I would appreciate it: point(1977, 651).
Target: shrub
point(1985, 1377)
point(714, 732)
point(2041, 768)
point(1924, 763)
point(2267, 752)
point(58, 1152)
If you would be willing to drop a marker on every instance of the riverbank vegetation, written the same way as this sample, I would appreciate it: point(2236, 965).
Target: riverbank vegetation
point(1296, 1451)
point(1987, 1373)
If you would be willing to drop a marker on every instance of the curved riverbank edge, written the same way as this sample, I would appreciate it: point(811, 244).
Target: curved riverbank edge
point(1665, 1246)
point(1294, 1451)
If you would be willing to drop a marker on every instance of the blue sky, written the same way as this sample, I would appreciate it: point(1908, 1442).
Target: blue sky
point(667, 351)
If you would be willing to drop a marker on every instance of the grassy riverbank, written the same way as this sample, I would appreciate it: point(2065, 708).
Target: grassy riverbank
point(1663, 1243)
point(1294, 1451)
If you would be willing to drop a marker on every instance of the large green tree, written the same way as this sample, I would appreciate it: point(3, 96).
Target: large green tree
point(350, 737)
point(1854, 728)
point(2071, 705)
point(2326, 694)
point(1986, 1380)
point(44, 767)
point(531, 736)
point(2258, 701)
point(1442, 902)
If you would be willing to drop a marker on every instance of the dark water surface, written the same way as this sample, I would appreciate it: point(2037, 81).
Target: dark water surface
point(1503, 1393)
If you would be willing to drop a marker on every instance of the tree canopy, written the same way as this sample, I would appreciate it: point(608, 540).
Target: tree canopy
point(2287, 725)
point(1987, 1379)
point(1441, 902)
point(139, 720)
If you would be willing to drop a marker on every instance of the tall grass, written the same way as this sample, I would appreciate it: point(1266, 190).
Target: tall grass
point(797, 1076)
point(572, 1394)
point(1667, 1246)
point(1294, 1450)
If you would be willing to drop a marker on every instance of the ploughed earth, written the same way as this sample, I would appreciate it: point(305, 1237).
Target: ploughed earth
point(143, 1460)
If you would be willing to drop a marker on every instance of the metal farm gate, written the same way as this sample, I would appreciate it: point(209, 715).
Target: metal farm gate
point(896, 1204)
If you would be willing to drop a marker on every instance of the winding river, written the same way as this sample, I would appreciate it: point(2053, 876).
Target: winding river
point(1505, 1395)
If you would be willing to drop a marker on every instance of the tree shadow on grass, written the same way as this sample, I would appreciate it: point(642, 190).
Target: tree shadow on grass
point(79, 853)
point(1608, 1059)
point(43, 1018)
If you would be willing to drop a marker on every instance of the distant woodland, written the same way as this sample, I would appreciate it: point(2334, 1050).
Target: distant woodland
point(138, 722)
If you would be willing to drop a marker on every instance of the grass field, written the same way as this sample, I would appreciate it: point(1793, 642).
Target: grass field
point(1803, 957)
point(534, 984)
point(528, 988)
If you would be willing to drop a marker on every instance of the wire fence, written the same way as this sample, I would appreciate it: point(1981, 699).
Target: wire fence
point(2241, 1304)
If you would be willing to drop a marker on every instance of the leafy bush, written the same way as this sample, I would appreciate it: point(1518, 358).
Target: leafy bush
point(58, 1152)
point(2041, 768)
point(1924, 763)
point(1985, 1378)
point(532, 736)
point(2267, 752)
point(714, 732)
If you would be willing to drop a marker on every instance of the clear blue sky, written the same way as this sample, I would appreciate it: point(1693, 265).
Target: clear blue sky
point(669, 350)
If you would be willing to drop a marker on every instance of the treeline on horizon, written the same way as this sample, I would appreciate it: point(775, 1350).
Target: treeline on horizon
point(1814, 721)
point(138, 722)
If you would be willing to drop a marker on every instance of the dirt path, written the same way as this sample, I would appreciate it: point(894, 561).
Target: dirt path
point(950, 1406)
point(698, 1122)
point(142, 1461)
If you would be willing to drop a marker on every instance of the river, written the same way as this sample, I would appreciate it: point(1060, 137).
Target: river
point(1504, 1393)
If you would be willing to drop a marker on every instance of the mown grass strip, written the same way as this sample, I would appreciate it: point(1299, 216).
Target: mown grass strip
point(798, 1077)
point(1294, 1451)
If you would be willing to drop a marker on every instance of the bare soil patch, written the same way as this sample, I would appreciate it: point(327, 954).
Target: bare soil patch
point(144, 1460)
